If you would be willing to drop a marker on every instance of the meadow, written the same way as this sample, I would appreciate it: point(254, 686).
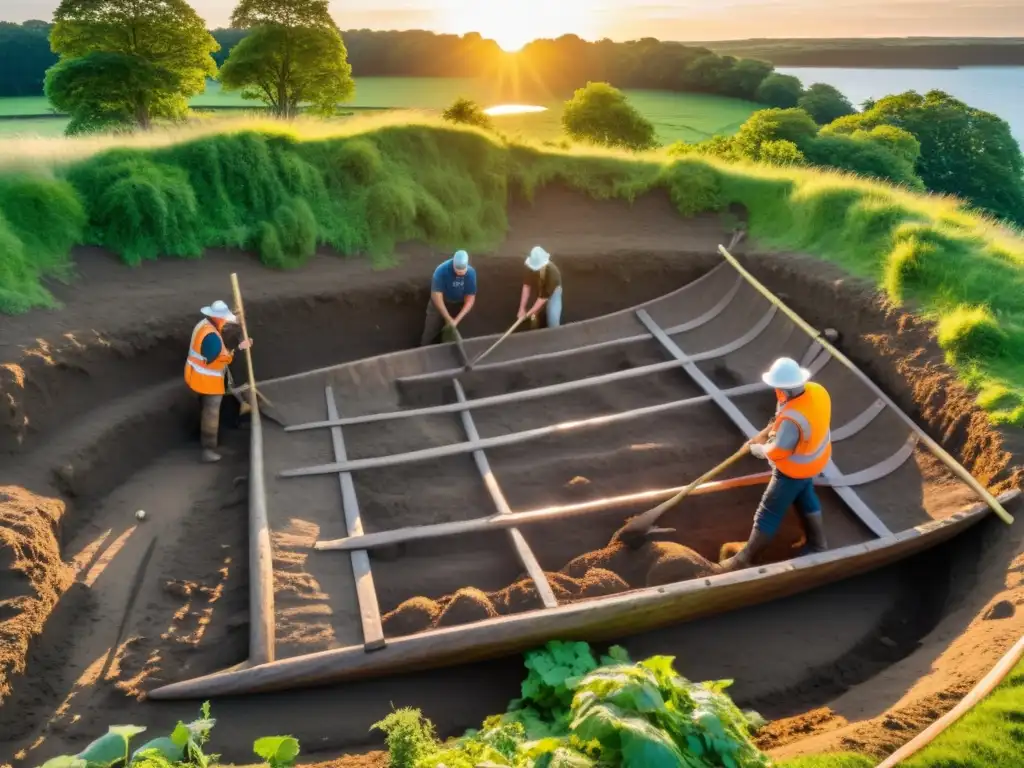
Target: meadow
point(685, 116)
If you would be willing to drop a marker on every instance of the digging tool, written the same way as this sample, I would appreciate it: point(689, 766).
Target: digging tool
point(251, 386)
point(462, 350)
point(635, 532)
point(486, 352)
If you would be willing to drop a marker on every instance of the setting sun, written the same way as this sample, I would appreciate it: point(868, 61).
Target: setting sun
point(514, 24)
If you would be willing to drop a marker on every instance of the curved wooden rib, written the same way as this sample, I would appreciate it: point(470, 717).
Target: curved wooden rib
point(866, 416)
point(600, 620)
point(879, 470)
point(690, 325)
point(561, 511)
point(545, 391)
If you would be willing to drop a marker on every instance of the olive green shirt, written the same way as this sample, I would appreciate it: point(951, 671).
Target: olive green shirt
point(543, 284)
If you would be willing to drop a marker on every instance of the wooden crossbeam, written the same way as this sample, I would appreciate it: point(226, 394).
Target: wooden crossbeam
point(523, 551)
point(831, 473)
point(366, 593)
point(545, 391)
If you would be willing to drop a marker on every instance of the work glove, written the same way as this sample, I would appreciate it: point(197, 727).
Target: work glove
point(757, 450)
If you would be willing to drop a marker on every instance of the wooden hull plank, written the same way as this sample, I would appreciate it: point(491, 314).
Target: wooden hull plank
point(366, 592)
point(599, 620)
point(831, 473)
point(523, 551)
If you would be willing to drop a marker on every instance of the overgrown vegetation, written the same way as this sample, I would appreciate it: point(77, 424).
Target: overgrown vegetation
point(364, 190)
point(465, 111)
point(184, 746)
point(577, 711)
point(599, 114)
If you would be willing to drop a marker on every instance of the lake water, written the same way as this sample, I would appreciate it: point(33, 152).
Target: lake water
point(999, 90)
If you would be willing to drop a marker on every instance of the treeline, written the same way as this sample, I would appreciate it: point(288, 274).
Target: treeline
point(544, 66)
point(886, 53)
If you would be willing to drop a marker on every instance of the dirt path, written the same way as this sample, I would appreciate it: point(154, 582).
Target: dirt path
point(92, 424)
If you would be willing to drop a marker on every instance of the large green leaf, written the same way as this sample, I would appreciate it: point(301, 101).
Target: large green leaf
point(111, 748)
point(163, 746)
point(277, 750)
point(65, 761)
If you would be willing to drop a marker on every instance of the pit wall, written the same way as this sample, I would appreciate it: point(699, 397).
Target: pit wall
point(370, 187)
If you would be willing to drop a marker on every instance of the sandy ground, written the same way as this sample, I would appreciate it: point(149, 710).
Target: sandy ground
point(93, 427)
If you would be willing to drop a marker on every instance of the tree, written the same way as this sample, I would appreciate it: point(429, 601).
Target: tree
point(964, 151)
point(600, 114)
point(782, 91)
point(792, 125)
point(825, 103)
point(293, 55)
point(467, 112)
point(25, 56)
point(127, 61)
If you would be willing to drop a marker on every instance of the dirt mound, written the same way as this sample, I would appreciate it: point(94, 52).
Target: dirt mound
point(608, 571)
point(32, 573)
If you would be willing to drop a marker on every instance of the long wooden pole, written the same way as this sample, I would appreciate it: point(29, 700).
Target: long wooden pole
point(261, 565)
point(940, 453)
point(490, 349)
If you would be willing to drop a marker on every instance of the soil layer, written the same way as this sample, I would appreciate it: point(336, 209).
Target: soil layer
point(94, 425)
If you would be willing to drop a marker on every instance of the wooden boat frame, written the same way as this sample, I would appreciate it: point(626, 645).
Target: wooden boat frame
point(596, 619)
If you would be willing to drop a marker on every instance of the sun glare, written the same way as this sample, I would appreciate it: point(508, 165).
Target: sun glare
point(514, 23)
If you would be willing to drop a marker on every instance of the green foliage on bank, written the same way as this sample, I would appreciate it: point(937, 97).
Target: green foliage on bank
point(279, 194)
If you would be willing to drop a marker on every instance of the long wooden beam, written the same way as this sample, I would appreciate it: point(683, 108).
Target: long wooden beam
point(547, 514)
point(940, 453)
point(599, 620)
point(523, 551)
point(848, 495)
point(366, 592)
point(690, 325)
point(545, 391)
point(262, 631)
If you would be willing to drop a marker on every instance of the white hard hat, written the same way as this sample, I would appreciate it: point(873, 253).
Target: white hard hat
point(538, 258)
point(786, 374)
point(220, 311)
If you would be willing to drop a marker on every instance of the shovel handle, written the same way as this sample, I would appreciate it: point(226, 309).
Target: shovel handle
point(650, 517)
point(237, 291)
point(490, 349)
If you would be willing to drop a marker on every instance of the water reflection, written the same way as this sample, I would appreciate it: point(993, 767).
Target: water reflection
point(513, 109)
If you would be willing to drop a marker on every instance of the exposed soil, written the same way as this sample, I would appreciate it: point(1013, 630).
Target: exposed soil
point(94, 426)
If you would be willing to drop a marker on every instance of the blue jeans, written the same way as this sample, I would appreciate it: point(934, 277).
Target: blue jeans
point(782, 493)
point(554, 308)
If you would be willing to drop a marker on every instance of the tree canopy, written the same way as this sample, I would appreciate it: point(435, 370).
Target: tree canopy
point(293, 55)
point(825, 103)
point(964, 151)
point(782, 91)
point(127, 60)
point(599, 114)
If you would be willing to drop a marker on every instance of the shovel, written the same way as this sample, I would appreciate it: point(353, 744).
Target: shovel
point(237, 392)
point(486, 352)
point(636, 530)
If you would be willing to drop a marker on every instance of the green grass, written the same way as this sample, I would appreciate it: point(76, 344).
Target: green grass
point(676, 116)
point(991, 734)
point(364, 184)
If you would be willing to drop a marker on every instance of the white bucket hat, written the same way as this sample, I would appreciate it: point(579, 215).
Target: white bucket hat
point(538, 259)
point(786, 374)
point(220, 311)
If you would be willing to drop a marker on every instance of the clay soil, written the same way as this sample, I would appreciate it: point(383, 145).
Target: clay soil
point(95, 425)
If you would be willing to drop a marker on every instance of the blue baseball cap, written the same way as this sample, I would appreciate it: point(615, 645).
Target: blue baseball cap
point(460, 260)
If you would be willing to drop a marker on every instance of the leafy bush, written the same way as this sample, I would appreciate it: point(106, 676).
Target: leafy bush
point(599, 114)
point(580, 712)
point(825, 103)
point(781, 91)
point(467, 112)
point(183, 747)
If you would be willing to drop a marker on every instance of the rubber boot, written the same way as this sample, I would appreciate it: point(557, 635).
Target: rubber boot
point(742, 559)
point(210, 456)
point(816, 541)
point(209, 426)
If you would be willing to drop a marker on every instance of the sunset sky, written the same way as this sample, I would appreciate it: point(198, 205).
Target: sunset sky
point(513, 22)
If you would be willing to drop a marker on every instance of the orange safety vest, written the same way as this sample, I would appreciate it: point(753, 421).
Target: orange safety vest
point(206, 378)
point(811, 413)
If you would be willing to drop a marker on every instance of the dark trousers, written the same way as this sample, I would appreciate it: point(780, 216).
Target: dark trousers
point(782, 493)
point(209, 421)
point(434, 324)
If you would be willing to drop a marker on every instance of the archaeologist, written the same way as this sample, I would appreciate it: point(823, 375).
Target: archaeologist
point(206, 368)
point(544, 281)
point(798, 444)
point(452, 290)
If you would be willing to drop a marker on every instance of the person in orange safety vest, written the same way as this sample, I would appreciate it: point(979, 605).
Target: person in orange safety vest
point(798, 444)
point(206, 368)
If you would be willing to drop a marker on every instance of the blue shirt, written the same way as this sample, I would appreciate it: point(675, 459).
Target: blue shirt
point(455, 288)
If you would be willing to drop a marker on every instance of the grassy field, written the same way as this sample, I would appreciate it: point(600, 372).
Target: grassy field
point(691, 117)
